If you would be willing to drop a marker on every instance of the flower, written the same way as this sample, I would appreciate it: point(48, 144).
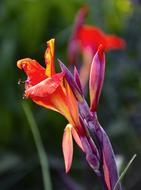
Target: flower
point(51, 90)
point(86, 40)
point(62, 92)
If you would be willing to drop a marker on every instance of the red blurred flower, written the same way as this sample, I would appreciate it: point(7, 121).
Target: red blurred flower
point(86, 40)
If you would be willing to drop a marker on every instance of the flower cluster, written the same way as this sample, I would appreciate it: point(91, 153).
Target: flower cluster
point(62, 92)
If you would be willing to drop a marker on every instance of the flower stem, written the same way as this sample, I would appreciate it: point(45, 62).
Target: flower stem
point(39, 145)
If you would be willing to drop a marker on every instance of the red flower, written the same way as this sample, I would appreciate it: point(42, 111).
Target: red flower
point(51, 90)
point(87, 39)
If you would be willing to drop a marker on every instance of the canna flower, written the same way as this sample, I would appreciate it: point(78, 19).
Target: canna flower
point(62, 92)
point(52, 91)
point(86, 39)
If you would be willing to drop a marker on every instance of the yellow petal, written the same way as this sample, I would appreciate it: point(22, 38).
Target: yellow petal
point(49, 58)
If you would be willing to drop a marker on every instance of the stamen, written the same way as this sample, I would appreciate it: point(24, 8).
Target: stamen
point(21, 82)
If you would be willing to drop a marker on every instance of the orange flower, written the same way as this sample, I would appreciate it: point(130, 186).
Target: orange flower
point(51, 90)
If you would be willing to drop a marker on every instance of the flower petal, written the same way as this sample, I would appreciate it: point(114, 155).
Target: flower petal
point(49, 58)
point(72, 104)
point(95, 37)
point(109, 164)
point(96, 77)
point(50, 94)
point(77, 79)
point(114, 42)
point(67, 146)
point(77, 139)
point(71, 81)
point(34, 71)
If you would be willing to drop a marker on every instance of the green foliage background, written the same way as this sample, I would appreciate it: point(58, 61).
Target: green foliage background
point(25, 26)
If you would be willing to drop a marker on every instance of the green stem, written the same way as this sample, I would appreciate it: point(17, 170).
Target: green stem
point(124, 171)
point(39, 145)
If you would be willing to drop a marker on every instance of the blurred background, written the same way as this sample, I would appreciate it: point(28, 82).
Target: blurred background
point(25, 26)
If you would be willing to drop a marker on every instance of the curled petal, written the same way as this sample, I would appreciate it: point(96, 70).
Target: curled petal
point(96, 77)
point(34, 71)
point(67, 146)
point(49, 58)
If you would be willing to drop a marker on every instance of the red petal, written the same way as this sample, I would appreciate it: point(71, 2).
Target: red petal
point(67, 146)
point(94, 38)
point(34, 71)
point(114, 42)
point(49, 94)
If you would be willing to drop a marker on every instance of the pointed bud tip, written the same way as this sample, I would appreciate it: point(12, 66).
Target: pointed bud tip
point(51, 40)
point(100, 52)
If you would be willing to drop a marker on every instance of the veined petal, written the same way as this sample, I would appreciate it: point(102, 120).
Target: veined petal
point(67, 146)
point(49, 58)
point(49, 94)
point(96, 78)
point(34, 71)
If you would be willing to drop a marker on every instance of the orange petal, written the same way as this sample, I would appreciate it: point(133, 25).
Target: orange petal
point(72, 103)
point(50, 94)
point(77, 139)
point(67, 146)
point(34, 71)
point(49, 58)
